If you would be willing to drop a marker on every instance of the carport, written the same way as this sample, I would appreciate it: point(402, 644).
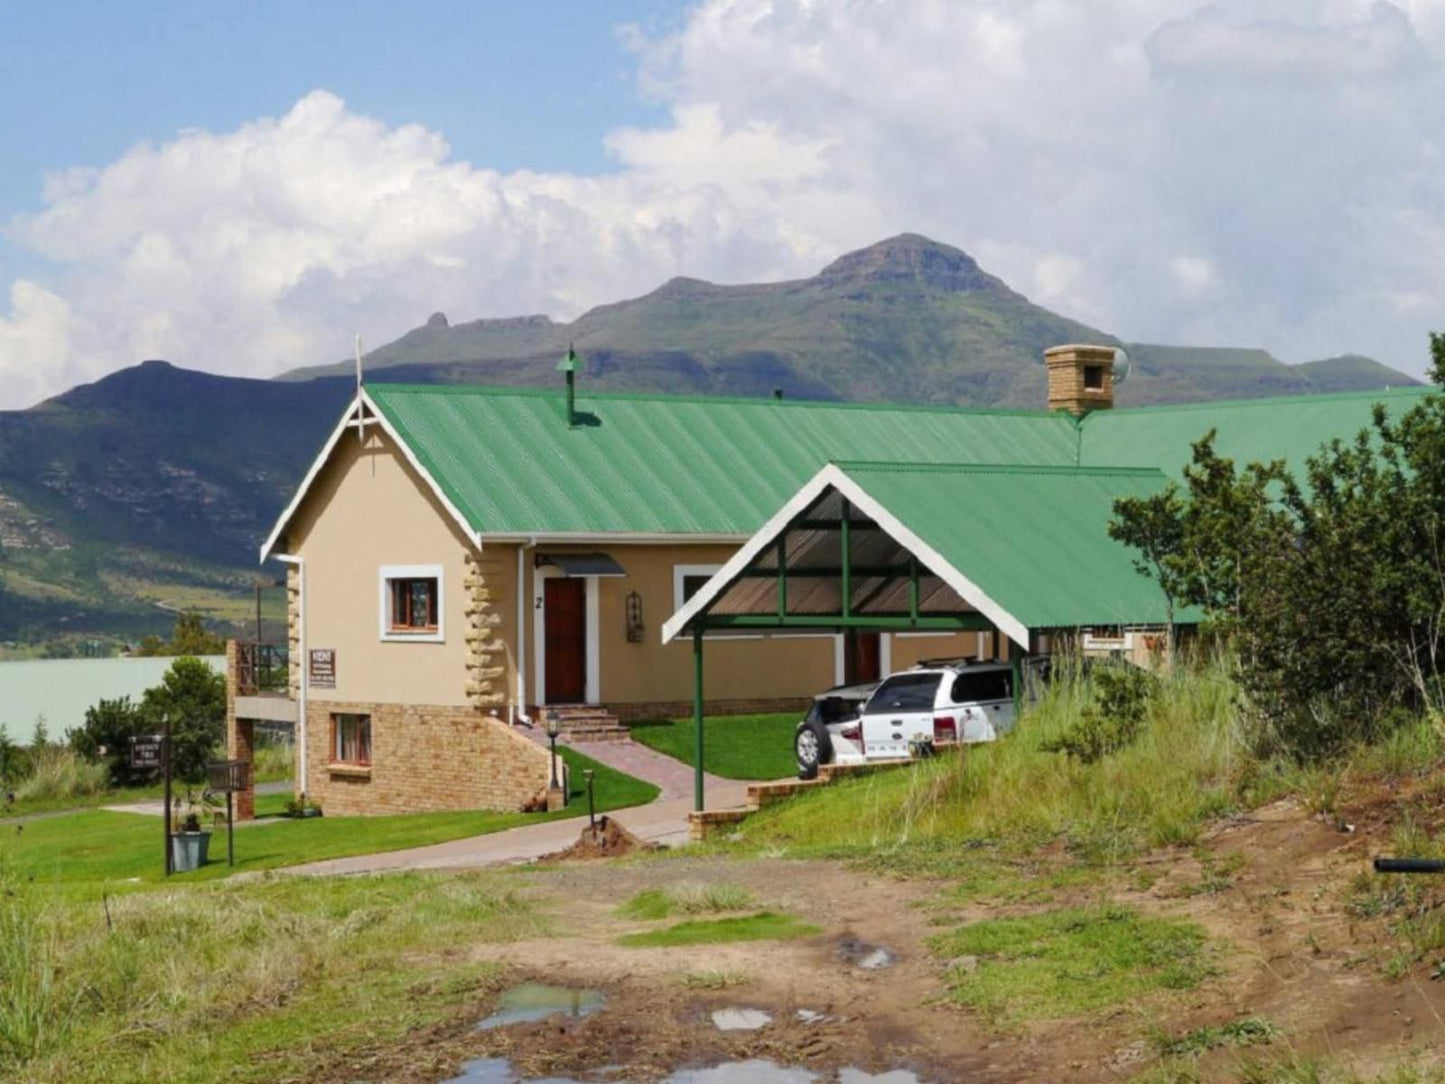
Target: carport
point(955, 547)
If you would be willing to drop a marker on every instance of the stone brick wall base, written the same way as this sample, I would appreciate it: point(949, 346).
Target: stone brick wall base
point(424, 759)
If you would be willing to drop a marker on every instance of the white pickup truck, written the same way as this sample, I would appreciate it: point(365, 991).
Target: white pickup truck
point(942, 702)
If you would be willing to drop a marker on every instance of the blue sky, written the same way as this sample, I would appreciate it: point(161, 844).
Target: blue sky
point(243, 188)
point(515, 85)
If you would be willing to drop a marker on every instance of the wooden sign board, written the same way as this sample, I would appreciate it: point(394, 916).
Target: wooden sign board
point(146, 751)
point(323, 668)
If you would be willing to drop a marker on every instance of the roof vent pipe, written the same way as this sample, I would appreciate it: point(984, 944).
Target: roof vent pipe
point(569, 365)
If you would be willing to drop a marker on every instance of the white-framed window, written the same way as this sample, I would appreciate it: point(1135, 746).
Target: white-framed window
point(412, 603)
point(687, 580)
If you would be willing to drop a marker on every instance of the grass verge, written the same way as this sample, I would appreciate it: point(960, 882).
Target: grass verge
point(1069, 962)
point(763, 926)
point(91, 852)
point(269, 980)
point(734, 746)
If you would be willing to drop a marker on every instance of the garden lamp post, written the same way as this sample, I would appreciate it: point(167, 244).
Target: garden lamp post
point(554, 727)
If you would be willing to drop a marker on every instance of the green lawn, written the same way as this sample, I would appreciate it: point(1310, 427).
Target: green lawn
point(734, 746)
point(1072, 961)
point(91, 852)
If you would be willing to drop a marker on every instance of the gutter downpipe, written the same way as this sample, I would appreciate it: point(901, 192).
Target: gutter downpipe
point(520, 704)
point(300, 563)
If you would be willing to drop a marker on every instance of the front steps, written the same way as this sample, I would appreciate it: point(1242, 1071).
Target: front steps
point(585, 723)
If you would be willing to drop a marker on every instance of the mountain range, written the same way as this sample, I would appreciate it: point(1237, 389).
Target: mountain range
point(149, 490)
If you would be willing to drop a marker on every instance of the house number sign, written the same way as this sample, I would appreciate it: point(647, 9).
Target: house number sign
point(323, 668)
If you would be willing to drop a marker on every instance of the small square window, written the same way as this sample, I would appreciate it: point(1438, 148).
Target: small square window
point(691, 585)
point(688, 580)
point(414, 605)
point(411, 602)
point(351, 739)
point(1094, 377)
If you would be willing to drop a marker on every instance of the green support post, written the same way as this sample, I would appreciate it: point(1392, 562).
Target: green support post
point(697, 771)
point(1016, 670)
point(783, 575)
point(913, 588)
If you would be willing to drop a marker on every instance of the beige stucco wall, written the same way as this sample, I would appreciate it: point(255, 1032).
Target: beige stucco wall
point(367, 508)
point(907, 650)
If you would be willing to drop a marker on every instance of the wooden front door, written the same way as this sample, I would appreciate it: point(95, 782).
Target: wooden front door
point(864, 661)
point(565, 613)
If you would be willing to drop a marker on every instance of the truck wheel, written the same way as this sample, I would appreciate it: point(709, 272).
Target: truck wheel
point(813, 747)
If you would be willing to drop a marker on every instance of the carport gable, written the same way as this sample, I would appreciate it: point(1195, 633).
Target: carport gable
point(937, 546)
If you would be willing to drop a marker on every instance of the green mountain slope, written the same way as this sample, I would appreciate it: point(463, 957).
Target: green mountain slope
point(144, 492)
point(152, 488)
point(907, 319)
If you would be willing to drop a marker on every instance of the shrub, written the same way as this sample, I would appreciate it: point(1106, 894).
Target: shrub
point(105, 738)
point(58, 773)
point(1111, 721)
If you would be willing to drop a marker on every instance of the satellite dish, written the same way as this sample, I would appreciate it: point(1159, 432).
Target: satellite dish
point(1121, 365)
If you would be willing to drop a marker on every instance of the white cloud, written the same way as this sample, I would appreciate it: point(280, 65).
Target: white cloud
point(1091, 154)
point(1195, 274)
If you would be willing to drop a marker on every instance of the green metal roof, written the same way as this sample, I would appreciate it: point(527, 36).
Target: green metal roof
point(655, 464)
point(1249, 430)
point(1035, 540)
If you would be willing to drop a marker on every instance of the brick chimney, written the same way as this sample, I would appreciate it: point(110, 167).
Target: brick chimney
point(1081, 378)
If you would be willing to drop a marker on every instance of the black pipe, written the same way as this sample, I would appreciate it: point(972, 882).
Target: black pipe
point(1409, 865)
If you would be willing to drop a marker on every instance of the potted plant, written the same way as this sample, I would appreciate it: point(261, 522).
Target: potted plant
point(302, 807)
point(190, 839)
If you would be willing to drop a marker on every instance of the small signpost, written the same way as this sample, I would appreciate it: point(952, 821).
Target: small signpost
point(227, 777)
point(153, 751)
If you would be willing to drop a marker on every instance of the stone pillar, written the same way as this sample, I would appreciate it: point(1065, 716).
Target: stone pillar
point(240, 739)
point(486, 651)
point(294, 661)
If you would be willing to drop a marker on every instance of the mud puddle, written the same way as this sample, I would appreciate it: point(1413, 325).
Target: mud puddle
point(864, 956)
point(752, 1071)
point(533, 1001)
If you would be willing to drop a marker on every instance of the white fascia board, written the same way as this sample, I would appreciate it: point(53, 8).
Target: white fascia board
point(762, 538)
point(833, 476)
point(351, 419)
point(348, 417)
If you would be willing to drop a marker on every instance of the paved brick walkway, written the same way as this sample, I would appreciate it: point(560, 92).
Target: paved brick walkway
point(662, 821)
point(669, 774)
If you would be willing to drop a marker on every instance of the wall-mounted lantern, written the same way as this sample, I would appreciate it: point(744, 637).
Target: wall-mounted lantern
point(635, 631)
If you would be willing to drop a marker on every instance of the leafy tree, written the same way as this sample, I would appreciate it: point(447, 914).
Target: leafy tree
point(1331, 581)
point(189, 637)
point(106, 736)
point(193, 696)
point(40, 741)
